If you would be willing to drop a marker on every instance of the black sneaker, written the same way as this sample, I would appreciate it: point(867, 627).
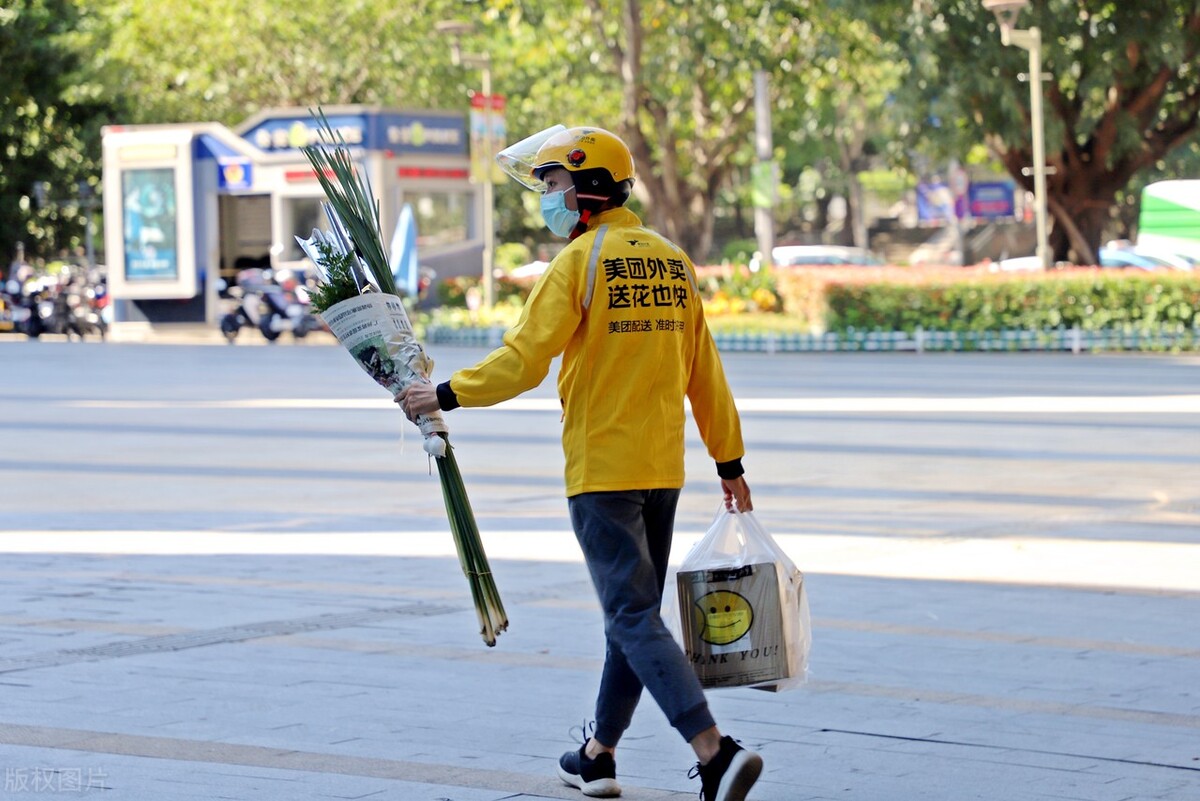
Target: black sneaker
point(730, 774)
point(595, 777)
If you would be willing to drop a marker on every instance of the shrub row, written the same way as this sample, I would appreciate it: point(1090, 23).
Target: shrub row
point(897, 299)
point(1089, 299)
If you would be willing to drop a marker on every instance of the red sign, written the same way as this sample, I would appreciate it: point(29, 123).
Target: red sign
point(431, 172)
point(480, 101)
point(304, 175)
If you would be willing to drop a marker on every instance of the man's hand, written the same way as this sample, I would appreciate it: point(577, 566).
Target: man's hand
point(737, 494)
point(418, 399)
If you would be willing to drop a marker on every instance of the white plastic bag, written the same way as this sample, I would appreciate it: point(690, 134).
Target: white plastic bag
point(738, 607)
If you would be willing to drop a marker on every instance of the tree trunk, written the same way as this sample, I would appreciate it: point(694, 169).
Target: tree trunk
point(1090, 169)
point(678, 209)
point(1079, 196)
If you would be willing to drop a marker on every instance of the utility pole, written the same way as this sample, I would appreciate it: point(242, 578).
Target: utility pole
point(455, 29)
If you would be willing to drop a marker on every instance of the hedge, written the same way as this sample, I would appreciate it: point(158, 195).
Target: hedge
point(1090, 299)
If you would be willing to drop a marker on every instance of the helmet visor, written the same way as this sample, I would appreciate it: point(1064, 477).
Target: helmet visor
point(518, 160)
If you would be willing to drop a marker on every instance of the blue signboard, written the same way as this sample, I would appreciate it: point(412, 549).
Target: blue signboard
point(400, 133)
point(991, 199)
point(420, 133)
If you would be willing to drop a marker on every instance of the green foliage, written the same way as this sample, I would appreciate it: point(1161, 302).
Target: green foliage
point(740, 291)
point(853, 84)
point(452, 292)
point(1092, 301)
point(674, 79)
point(1123, 95)
point(888, 185)
point(511, 255)
point(49, 125)
point(739, 251)
point(350, 194)
point(340, 286)
point(225, 60)
point(501, 315)
point(756, 323)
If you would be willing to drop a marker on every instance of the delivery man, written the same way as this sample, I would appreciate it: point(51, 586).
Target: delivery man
point(620, 303)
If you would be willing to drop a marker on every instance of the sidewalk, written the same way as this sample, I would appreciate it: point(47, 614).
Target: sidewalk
point(181, 334)
point(225, 575)
point(204, 334)
point(273, 675)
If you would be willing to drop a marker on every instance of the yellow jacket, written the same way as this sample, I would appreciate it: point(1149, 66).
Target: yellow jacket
point(620, 303)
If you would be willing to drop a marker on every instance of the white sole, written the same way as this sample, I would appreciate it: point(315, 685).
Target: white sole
point(740, 776)
point(600, 788)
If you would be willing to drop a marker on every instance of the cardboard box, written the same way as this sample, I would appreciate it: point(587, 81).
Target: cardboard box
point(732, 625)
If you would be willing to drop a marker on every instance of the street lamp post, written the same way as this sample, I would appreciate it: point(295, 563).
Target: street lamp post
point(1006, 12)
point(483, 61)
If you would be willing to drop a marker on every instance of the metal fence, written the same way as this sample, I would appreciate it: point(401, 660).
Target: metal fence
point(1074, 340)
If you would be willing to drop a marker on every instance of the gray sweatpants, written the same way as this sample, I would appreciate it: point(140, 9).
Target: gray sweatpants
point(626, 540)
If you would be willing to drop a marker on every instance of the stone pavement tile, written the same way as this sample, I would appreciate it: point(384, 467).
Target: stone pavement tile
point(954, 691)
point(834, 765)
point(123, 778)
point(240, 771)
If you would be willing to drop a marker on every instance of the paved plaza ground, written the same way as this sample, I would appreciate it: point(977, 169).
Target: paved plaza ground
point(225, 572)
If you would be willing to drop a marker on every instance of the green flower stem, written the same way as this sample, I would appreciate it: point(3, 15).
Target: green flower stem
point(349, 193)
point(471, 555)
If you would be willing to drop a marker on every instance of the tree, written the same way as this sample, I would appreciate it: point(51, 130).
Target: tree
point(49, 123)
point(225, 60)
point(835, 110)
point(675, 80)
point(686, 77)
point(1123, 95)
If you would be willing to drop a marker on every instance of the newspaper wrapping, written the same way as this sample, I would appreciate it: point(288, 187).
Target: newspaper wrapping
point(376, 330)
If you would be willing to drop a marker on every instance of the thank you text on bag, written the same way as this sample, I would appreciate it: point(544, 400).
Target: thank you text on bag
point(732, 624)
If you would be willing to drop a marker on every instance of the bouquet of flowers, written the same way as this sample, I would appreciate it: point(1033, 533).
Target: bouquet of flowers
point(358, 300)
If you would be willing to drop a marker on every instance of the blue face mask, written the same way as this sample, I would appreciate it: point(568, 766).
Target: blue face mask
point(559, 219)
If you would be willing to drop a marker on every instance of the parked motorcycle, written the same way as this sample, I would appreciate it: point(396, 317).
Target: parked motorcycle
point(35, 311)
point(245, 311)
point(274, 302)
point(78, 307)
point(8, 291)
point(288, 308)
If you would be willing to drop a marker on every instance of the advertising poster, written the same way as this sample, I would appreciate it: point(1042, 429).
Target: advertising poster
point(488, 134)
point(935, 202)
point(763, 183)
point(148, 205)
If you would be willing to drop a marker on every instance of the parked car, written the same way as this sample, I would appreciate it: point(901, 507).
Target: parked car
point(1018, 264)
point(823, 255)
point(1173, 260)
point(1114, 258)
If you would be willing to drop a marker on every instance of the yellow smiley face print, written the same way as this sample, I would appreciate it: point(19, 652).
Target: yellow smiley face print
point(722, 617)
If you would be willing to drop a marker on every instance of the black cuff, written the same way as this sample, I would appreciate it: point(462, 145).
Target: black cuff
point(447, 400)
point(731, 469)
